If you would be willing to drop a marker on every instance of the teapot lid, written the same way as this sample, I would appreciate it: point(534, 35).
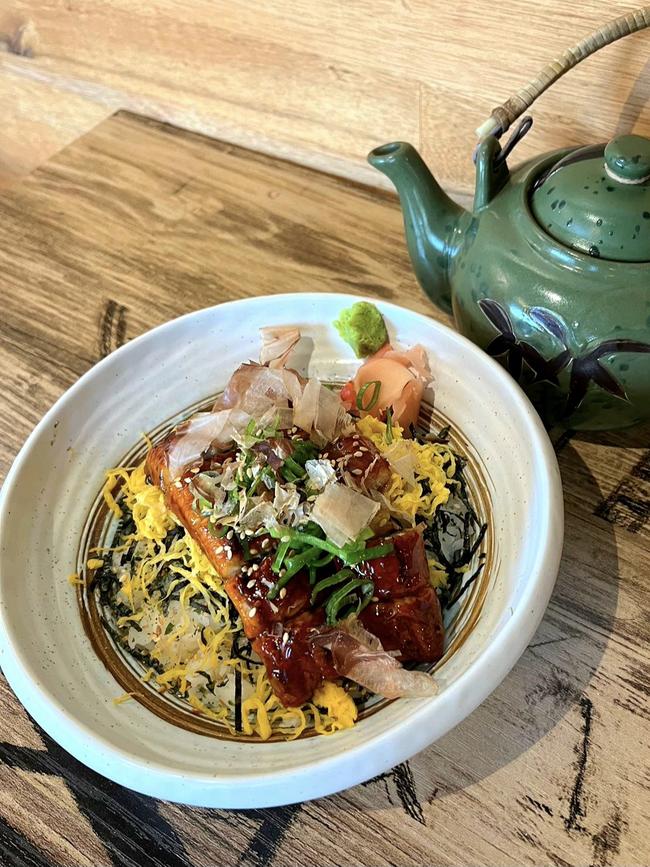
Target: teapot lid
point(596, 200)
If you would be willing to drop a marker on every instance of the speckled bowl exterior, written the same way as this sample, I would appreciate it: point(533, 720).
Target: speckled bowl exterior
point(48, 659)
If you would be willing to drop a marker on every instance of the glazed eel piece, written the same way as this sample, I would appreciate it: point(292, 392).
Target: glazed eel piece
point(405, 612)
point(279, 629)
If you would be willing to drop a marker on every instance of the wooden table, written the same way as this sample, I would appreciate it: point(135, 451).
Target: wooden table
point(137, 222)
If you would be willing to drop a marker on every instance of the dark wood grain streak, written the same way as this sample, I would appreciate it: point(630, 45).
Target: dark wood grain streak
point(112, 327)
point(607, 842)
point(402, 778)
point(129, 825)
point(629, 504)
point(17, 851)
point(577, 809)
point(273, 829)
point(137, 223)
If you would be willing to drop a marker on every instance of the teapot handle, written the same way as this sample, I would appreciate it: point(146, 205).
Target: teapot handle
point(505, 114)
point(491, 163)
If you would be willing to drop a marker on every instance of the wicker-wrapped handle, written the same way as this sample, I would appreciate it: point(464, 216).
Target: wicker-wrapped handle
point(505, 114)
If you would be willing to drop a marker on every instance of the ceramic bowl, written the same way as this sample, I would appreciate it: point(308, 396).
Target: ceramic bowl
point(46, 499)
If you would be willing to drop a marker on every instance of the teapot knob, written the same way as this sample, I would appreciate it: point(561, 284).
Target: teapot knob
point(627, 159)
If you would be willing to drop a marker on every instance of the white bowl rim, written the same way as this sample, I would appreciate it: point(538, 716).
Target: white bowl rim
point(498, 657)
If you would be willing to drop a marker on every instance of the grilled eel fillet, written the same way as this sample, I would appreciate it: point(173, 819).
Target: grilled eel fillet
point(405, 612)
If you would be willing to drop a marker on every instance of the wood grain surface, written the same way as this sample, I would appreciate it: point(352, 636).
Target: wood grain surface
point(323, 83)
point(37, 121)
point(138, 222)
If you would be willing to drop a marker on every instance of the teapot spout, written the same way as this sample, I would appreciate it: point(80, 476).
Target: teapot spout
point(430, 216)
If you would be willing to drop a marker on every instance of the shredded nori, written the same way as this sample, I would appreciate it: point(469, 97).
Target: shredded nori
point(454, 534)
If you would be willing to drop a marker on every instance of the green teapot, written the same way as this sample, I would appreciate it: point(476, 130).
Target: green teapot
point(550, 270)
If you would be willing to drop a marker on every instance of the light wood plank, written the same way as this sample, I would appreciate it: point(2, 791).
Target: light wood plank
point(321, 84)
point(37, 121)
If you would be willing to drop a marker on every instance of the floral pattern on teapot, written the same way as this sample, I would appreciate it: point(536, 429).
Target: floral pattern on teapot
point(585, 368)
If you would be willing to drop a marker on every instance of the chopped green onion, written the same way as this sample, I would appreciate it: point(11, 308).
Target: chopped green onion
point(364, 535)
point(367, 592)
point(291, 470)
point(339, 598)
point(389, 425)
point(280, 554)
point(352, 553)
point(246, 548)
point(303, 451)
point(305, 539)
point(313, 528)
point(376, 384)
point(293, 467)
point(254, 434)
point(288, 475)
point(279, 584)
point(330, 581)
point(358, 603)
point(296, 562)
point(324, 561)
point(265, 473)
point(292, 566)
point(371, 553)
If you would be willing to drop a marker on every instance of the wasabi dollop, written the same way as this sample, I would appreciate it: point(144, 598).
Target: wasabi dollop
point(363, 327)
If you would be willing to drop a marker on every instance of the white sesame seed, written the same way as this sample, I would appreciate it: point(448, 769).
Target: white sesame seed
point(375, 599)
point(358, 454)
point(218, 549)
point(283, 592)
point(285, 538)
point(249, 473)
point(285, 638)
point(251, 583)
point(229, 554)
point(252, 612)
point(178, 483)
point(273, 607)
point(266, 543)
point(249, 532)
point(255, 567)
point(357, 472)
point(282, 572)
point(230, 534)
point(187, 480)
point(195, 470)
